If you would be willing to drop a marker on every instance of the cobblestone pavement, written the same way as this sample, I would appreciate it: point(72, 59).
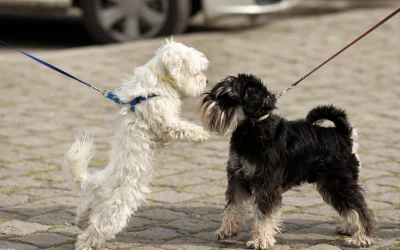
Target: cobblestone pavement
point(41, 112)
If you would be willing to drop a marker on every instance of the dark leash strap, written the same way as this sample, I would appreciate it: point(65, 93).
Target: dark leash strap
point(338, 53)
point(106, 93)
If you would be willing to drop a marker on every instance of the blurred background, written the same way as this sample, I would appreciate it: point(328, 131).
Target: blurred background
point(53, 24)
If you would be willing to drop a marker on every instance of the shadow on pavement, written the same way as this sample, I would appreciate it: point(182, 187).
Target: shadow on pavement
point(187, 224)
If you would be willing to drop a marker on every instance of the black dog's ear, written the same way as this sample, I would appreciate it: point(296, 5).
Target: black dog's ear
point(220, 111)
point(256, 100)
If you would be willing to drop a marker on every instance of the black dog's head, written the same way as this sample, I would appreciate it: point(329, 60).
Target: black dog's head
point(234, 99)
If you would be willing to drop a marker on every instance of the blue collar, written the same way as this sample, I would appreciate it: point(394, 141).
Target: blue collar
point(110, 95)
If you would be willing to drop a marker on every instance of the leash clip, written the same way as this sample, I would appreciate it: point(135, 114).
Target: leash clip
point(105, 93)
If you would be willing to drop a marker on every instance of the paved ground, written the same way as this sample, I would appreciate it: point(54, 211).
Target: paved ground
point(41, 112)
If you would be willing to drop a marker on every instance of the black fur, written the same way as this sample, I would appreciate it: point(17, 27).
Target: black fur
point(282, 154)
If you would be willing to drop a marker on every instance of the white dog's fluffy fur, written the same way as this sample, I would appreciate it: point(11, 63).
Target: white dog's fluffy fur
point(110, 196)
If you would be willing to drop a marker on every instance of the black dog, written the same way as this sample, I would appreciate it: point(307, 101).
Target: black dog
point(269, 155)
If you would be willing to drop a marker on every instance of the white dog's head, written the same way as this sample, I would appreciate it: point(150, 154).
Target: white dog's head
point(183, 67)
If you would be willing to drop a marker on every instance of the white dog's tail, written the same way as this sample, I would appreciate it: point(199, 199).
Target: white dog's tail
point(77, 159)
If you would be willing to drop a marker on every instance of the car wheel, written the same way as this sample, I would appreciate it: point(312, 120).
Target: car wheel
point(109, 21)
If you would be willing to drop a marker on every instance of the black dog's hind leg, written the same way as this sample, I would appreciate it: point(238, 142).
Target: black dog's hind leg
point(236, 195)
point(340, 189)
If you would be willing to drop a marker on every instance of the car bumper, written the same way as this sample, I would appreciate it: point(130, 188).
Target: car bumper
point(218, 8)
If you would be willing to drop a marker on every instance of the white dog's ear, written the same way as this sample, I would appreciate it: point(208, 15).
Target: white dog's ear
point(172, 61)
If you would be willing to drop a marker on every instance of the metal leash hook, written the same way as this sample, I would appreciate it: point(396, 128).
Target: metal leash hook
point(338, 53)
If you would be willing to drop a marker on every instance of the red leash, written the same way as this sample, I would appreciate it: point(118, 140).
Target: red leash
point(338, 53)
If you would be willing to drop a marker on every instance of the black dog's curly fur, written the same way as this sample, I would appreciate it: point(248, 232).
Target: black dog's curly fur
point(269, 155)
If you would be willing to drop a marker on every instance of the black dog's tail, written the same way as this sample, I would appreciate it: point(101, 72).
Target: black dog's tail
point(331, 113)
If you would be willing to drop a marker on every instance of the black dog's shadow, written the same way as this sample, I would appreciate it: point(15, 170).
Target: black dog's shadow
point(186, 226)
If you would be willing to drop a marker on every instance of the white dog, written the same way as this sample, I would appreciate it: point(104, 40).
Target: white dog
point(110, 196)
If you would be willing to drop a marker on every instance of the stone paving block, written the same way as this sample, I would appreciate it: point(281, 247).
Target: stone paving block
point(304, 201)
point(192, 225)
point(63, 247)
point(136, 223)
point(323, 209)
point(197, 208)
point(46, 192)
point(211, 174)
point(161, 214)
point(191, 244)
point(53, 219)
point(305, 238)
point(65, 230)
point(6, 245)
point(28, 210)
point(13, 199)
point(179, 180)
point(212, 217)
point(392, 215)
point(388, 234)
point(61, 201)
point(44, 240)
point(388, 197)
point(6, 216)
point(20, 182)
point(153, 235)
point(172, 196)
point(121, 245)
point(15, 227)
point(303, 220)
point(205, 189)
point(216, 200)
point(323, 247)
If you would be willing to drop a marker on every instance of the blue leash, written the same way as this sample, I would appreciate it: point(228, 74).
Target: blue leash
point(106, 93)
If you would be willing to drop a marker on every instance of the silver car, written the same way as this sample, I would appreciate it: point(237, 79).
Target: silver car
point(110, 21)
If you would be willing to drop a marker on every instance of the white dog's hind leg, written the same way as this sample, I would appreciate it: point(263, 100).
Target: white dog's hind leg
point(106, 220)
point(83, 213)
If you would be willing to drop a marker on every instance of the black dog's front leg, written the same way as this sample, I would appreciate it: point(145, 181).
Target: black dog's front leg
point(236, 195)
point(268, 200)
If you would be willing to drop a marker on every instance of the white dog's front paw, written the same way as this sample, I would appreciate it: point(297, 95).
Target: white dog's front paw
point(202, 136)
point(198, 134)
point(261, 243)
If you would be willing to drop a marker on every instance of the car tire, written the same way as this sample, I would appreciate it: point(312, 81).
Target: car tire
point(179, 17)
point(175, 17)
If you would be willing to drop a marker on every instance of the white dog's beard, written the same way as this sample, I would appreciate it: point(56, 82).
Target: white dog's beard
point(195, 89)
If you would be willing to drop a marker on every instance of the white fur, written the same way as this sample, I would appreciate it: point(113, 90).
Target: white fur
point(233, 221)
point(264, 230)
point(354, 137)
point(358, 238)
point(345, 228)
point(110, 196)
